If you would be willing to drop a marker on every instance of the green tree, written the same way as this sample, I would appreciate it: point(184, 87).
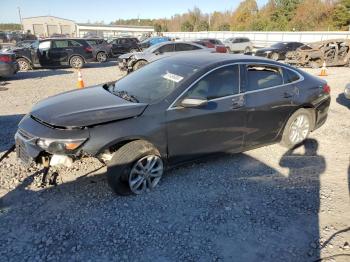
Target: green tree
point(224, 27)
point(203, 26)
point(341, 15)
point(187, 26)
point(157, 27)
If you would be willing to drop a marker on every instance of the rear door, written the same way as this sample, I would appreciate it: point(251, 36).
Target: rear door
point(269, 99)
point(43, 53)
point(59, 52)
point(215, 127)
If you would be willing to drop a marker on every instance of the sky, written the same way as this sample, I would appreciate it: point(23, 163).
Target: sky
point(108, 10)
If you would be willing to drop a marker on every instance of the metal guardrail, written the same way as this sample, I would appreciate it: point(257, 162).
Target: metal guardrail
point(263, 38)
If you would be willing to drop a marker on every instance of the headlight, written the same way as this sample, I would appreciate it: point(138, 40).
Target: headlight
point(60, 146)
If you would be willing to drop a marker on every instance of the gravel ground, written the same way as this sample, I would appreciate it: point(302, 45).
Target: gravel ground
point(267, 204)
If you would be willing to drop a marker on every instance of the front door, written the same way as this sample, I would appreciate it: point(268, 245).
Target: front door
point(59, 52)
point(212, 128)
point(43, 53)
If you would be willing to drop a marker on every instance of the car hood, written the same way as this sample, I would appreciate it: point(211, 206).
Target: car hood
point(85, 107)
point(128, 55)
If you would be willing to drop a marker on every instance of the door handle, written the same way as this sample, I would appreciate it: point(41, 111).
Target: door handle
point(237, 102)
point(288, 94)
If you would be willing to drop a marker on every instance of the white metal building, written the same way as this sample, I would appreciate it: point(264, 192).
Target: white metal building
point(46, 26)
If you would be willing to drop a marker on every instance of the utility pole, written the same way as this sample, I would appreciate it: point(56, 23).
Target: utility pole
point(20, 17)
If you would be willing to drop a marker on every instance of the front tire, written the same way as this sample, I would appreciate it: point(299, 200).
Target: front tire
point(139, 64)
point(76, 62)
point(298, 128)
point(135, 168)
point(101, 57)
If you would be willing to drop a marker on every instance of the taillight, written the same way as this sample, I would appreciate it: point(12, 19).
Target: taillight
point(326, 89)
point(5, 58)
point(88, 49)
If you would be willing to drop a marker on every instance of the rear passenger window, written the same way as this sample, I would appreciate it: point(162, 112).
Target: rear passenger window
point(220, 83)
point(290, 76)
point(185, 47)
point(60, 44)
point(73, 43)
point(261, 76)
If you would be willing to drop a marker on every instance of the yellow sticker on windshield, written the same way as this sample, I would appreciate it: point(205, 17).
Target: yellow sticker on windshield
point(173, 77)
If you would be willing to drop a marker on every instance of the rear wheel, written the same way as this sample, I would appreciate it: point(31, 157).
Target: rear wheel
point(24, 64)
point(101, 57)
point(76, 62)
point(139, 64)
point(297, 128)
point(135, 168)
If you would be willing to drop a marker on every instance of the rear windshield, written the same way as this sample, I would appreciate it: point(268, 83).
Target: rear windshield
point(154, 81)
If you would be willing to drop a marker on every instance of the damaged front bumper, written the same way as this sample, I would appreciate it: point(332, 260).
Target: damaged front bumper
point(30, 132)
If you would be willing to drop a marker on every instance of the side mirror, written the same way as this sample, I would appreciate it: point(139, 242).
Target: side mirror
point(157, 52)
point(193, 103)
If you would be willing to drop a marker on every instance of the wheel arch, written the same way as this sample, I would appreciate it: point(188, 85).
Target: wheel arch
point(76, 55)
point(24, 57)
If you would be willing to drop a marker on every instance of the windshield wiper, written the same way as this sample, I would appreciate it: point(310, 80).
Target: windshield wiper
point(126, 96)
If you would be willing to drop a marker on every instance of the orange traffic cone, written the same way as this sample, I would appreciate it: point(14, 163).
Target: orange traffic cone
point(323, 70)
point(80, 83)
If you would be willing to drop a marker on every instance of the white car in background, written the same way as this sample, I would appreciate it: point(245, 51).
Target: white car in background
point(238, 45)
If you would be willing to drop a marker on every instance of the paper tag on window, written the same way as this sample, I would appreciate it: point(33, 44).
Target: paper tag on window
point(173, 77)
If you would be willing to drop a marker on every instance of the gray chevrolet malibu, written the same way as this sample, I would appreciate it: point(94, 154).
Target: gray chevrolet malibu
point(175, 110)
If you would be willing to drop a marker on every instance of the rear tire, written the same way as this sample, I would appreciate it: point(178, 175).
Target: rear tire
point(298, 128)
point(24, 64)
point(76, 62)
point(121, 169)
point(139, 64)
point(101, 57)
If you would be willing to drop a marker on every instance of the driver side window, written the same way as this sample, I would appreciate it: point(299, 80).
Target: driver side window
point(220, 83)
point(166, 48)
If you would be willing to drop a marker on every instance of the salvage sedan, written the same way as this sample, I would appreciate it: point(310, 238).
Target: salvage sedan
point(174, 110)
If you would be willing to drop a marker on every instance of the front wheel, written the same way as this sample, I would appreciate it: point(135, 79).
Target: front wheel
point(76, 62)
point(297, 128)
point(135, 168)
point(101, 57)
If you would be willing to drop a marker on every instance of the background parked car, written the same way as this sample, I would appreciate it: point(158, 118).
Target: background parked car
point(212, 43)
point(21, 44)
point(124, 45)
point(133, 61)
point(8, 64)
point(101, 49)
point(152, 41)
point(335, 52)
point(54, 52)
point(238, 45)
point(278, 51)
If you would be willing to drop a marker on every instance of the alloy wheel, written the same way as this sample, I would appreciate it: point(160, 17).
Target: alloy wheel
point(145, 174)
point(101, 57)
point(23, 65)
point(76, 62)
point(299, 129)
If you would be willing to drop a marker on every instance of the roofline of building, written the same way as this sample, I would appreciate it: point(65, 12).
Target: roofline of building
point(48, 16)
point(128, 26)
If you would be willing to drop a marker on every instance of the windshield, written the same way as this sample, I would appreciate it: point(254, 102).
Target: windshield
point(279, 45)
point(152, 82)
point(35, 45)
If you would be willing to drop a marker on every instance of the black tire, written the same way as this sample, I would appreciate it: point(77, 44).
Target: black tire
point(139, 64)
point(287, 132)
point(76, 62)
point(275, 56)
point(315, 64)
point(101, 57)
point(120, 166)
point(24, 64)
point(247, 50)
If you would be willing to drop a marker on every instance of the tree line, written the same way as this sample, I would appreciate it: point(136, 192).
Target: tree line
point(275, 15)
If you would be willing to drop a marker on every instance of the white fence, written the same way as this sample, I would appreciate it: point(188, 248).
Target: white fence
point(263, 38)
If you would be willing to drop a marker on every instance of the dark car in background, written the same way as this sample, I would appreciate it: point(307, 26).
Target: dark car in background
point(123, 45)
point(134, 61)
point(53, 52)
point(213, 41)
point(279, 50)
point(174, 110)
point(101, 49)
point(8, 64)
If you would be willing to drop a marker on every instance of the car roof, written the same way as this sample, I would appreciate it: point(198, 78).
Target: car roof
point(210, 59)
